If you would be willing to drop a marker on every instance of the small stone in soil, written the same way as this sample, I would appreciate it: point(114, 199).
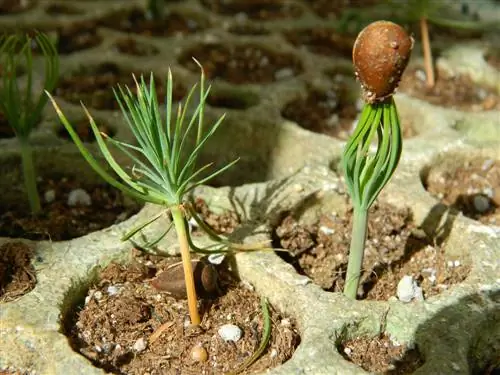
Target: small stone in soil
point(409, 290)
point(230, 332)
point(140, 345)
point(50, 196)
point(79, 197)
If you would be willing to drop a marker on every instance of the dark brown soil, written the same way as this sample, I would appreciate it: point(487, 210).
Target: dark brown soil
point(334, 8)
point(76, 37)
point(395, 247)
point(135, 21)
point(58, 221)
point(223, 223)
point(472, 187)
point(17, 275)
point(322, 41)
point(332, 112)
point(244, 28)
point(232, 99)
point(242, 64)
point(62, 10)
point(263, 10)
point(457, 92)
point(123, 310)
point(84, 130)
point(328, 112)
point(130, 46)
point(379, 355)
point(16, 6)
point(94, 87)
point(6, 130)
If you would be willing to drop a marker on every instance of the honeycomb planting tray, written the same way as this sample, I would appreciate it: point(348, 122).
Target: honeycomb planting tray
point(264, 64)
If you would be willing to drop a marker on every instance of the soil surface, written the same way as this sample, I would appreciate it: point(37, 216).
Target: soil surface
point(323, 41)
point(457, 92)
point(472, 187)
point(130, 46)
point(17, 275)
point(330, 112)
point(94, 87)
point(58, 220)
point(135, 21)
point(241, 64)
point(15, 6)
point(395, 247)
point(263, 10)
point(131, 323)
point(379, 355)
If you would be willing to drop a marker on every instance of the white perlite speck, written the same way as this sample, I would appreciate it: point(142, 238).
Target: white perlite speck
point(50, 196)
point(230, 332)
point(140, 345)
point(409, 290)
point(79, 197)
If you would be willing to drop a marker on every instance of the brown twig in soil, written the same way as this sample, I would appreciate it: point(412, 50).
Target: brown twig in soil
point(159, 331)
point(428, 61)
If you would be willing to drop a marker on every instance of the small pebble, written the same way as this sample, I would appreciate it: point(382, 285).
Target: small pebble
point(79, 197)
point(140, 345)
point(199, 354)
point(50, 196)
point(408, 290)
point(230, 332)
point(216, 258)
point(326, 230)
point(113, 290)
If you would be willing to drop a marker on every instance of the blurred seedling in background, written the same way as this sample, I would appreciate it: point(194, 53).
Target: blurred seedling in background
point(21, 106)
point(380, 55)
point(164, 161)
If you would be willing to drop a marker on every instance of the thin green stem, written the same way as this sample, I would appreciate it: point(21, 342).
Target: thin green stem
point(180, 227)
point(356, 251)
point(30, 176)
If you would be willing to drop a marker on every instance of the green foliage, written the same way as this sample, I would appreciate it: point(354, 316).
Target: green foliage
point(21, 106)
point(366, 173)
point(164, 165)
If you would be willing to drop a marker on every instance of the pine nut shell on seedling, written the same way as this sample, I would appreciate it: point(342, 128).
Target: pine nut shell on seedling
point(380, 55)
point(172, 281)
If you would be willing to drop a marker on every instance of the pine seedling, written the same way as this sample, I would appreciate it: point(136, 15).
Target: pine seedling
point(380, 55)
point(20, 105)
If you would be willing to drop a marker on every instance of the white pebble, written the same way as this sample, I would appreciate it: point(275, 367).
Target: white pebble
point(274, 353)
point(326, 230)
point(98, 295)
point(347, 351)
point(408, 289)
point(140, 345)
point(112, 290)
point(50, 196)
point(216, 258)
point(230, 332)
point(79, 197)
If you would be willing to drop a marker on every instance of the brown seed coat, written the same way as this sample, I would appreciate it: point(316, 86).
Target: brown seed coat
point(171, 280)
point(380, 55)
